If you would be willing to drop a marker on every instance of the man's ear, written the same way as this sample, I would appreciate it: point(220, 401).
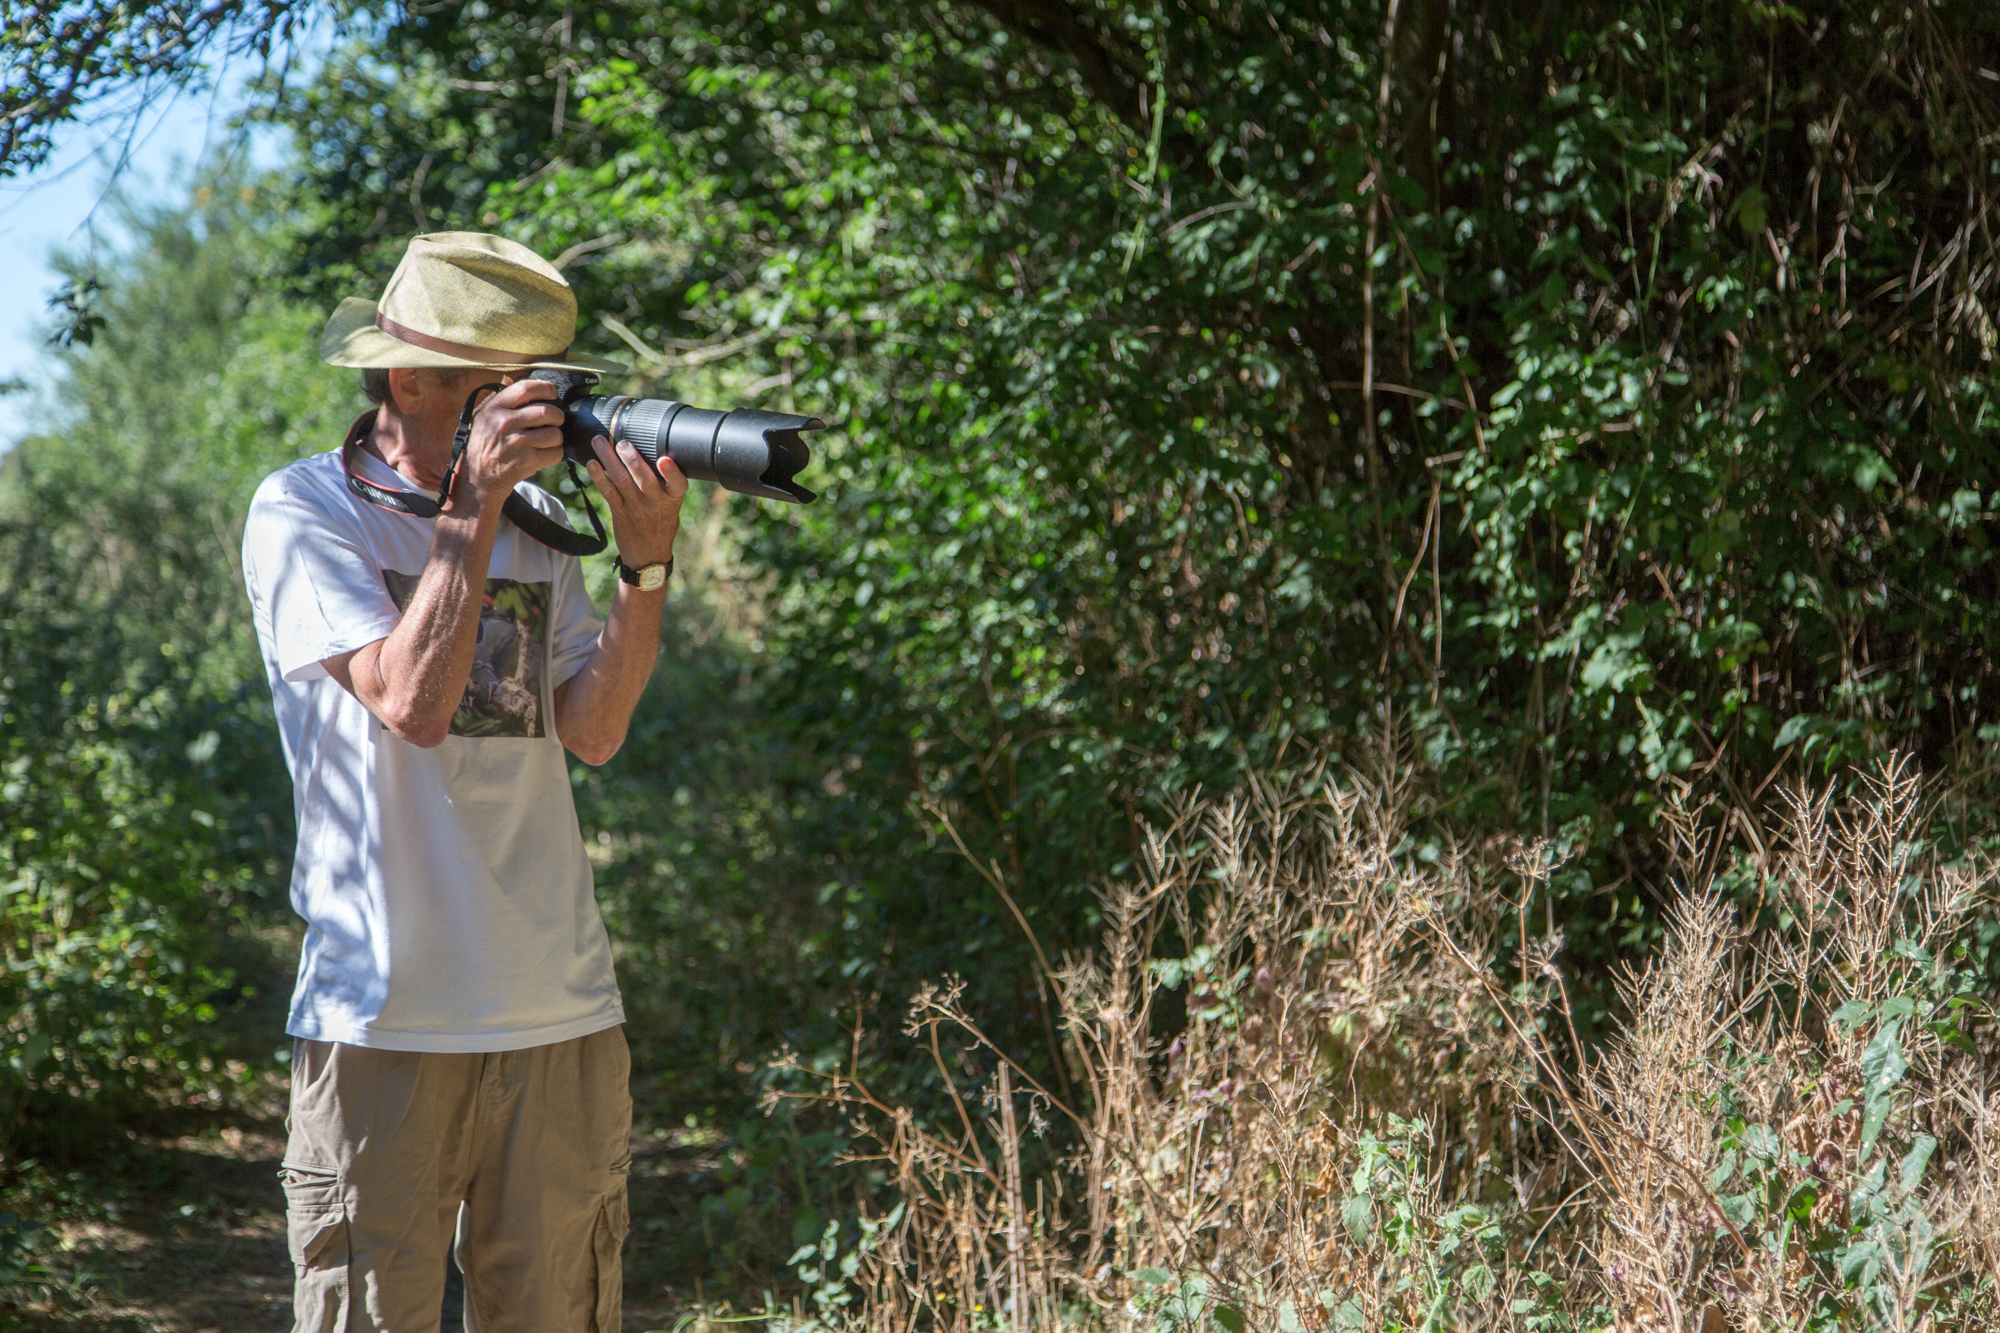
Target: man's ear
point(408, 390)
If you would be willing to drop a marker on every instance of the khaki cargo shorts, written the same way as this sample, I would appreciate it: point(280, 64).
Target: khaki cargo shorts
point(522, 1154)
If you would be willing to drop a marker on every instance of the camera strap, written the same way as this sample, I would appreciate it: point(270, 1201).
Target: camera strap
point(516, 507)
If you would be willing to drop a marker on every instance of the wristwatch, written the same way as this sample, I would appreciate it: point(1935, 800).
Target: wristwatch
point(646, 578)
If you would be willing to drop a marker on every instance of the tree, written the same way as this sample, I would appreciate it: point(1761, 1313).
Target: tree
point(146, 846)
point(59, 62)
point(1598, 396)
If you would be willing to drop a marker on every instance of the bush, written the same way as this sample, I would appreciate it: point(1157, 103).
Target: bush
point(1312, 1094)
point(146, 845)
point(1607, 384)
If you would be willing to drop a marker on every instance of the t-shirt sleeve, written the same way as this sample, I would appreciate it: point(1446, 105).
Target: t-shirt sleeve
point(321, 594)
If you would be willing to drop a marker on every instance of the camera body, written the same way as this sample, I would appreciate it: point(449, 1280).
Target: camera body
point(749, 452)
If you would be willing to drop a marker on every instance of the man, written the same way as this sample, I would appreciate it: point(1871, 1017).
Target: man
point(458, 1061)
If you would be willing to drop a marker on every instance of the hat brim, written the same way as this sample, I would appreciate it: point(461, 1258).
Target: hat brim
point(352, 340)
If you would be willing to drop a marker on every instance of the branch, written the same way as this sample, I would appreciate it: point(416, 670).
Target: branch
point(57, 59)
point(1055, 25)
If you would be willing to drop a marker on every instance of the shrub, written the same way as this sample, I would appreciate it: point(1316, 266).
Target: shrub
point(146, 836)
point(1329, 1081)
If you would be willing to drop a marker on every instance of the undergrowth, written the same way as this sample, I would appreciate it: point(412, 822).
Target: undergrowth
point(1324, 1077)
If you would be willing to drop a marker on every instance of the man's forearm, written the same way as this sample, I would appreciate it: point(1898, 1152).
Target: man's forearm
point(414, 679)
point(594, 707)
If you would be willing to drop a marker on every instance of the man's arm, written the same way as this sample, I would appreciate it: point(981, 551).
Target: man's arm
point(594, 707)
point(414, 679)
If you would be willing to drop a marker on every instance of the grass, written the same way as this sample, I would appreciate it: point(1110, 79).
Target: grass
point(1331, 1080)
point(1322, 1075)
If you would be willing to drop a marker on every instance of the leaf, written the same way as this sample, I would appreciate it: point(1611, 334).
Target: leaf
point(1471, 1215)
point(1881, 1069)
point(1858, 1257)
point(1872, 470)
point(1949, 1034)
point(1358, 1212)
point(1873, 1117)
point(79, 317)
point(1229, 1319)
point(1798, 725)
point(1762, 1142)
point(1916, 1159)
point(1616, 663)
point(1898, 1006)
point(1882, 1060)
point(1751, 210)
point(1152, 1277)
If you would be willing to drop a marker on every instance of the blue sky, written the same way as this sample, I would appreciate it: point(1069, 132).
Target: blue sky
point(62, 205)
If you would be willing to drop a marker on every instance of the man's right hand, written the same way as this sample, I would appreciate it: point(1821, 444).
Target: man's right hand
point(515, 434)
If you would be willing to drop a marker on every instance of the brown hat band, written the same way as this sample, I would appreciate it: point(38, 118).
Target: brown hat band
point(464, 351)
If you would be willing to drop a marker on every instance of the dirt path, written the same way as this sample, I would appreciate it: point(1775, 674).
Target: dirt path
point(186, 1235)
point(165, 1235)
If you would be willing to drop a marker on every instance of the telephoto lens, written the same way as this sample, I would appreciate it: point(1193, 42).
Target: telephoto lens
point(751, 453)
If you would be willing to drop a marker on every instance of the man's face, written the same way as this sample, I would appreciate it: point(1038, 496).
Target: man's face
point(430, 401)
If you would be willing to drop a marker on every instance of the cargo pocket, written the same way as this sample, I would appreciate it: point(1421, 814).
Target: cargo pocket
point(608, 1242)
point(316, 1235)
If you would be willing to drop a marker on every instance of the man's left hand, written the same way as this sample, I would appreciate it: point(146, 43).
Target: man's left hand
point(645, 501)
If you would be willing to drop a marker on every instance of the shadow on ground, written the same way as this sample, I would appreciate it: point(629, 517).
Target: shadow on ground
point(159, 1233)
point(185, 1233)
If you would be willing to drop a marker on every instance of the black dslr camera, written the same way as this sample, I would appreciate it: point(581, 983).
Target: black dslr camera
point(752, 453)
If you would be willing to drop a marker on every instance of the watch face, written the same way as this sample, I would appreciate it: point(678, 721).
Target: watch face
point(652, 577)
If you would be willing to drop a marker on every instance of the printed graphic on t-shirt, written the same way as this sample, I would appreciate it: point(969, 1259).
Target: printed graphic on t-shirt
point(504, 695)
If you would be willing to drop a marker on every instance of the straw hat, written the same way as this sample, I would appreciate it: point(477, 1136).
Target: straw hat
point(462, 298)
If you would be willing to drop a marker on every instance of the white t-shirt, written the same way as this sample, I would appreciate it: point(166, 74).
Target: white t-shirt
point(448, 900)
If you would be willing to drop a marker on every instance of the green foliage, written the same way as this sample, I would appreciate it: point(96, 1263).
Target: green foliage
point(1603, 394)
point(828, 1272)
point(1441, 1257)
point(20, 1239)
point(1672, 455)
point(1181, 1305)
point(58, 62)
point(145, 845)
point(1858, 1221)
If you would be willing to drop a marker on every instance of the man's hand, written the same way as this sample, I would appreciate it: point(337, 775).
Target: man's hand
point(515, 434)
point(645, 501)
